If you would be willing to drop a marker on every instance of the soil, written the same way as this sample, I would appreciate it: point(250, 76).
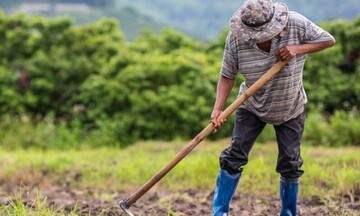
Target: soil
point(165, 202)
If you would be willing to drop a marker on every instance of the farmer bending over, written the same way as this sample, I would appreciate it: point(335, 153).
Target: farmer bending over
point(261, 33)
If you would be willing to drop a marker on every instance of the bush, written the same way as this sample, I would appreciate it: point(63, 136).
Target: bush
point(343, 128)
point(48, 134)
point(74, 82)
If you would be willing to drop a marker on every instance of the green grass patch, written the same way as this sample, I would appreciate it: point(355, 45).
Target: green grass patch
point(328, 171)
point(37, 206)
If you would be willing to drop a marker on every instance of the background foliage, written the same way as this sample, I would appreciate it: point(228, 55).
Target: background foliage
point(198, 18)
point(69, 83)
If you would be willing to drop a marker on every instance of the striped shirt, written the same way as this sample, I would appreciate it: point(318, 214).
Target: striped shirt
point(283, 97)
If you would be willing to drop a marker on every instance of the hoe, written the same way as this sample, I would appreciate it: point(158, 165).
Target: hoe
point(126, 203)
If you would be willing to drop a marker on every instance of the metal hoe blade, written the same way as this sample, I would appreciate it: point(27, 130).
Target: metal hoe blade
point(125, 207)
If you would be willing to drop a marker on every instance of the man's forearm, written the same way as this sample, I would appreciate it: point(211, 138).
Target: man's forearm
point(223, 90)
point(315, 47)
point(288, 52)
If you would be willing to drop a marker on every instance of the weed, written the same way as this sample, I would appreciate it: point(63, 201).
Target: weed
point(38, 206)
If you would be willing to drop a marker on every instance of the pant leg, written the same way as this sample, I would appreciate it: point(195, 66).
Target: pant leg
point(288, 137)
point(247, 128)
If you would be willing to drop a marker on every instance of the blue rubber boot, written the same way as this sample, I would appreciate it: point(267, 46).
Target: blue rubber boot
point(288, 195)
point(225, 187)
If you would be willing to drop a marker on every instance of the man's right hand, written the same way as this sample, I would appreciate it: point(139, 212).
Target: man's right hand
point(213, 119)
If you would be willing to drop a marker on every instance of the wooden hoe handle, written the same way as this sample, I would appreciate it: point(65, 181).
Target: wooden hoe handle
point(125, 204)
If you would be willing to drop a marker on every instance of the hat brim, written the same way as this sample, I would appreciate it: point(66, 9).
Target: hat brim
point(263, 33)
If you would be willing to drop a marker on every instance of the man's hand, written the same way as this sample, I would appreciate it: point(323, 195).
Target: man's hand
point(213, 119)
point(288, 52)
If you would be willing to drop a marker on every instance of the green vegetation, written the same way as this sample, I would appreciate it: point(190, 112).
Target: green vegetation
point(195, 17)
point(63, 84)
point(341, 129)
point(37, 207)
point(73, 97)
point(329, 172)
point(203, 20)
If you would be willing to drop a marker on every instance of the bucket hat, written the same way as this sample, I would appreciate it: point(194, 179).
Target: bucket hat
point(257, 21)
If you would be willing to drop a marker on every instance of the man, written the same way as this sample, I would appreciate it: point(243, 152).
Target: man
point(262, 32)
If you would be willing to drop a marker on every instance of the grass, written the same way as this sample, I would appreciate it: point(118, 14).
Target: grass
point(328, 171)
point(38, 207)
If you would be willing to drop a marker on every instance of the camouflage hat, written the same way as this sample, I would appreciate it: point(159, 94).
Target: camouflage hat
point(259, 20)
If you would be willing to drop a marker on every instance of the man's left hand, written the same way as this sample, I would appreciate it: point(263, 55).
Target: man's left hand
point(288, 52)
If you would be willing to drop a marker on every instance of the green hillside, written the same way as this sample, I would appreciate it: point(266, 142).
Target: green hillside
point(132, 22)
point(204, 19)
point(199, 18)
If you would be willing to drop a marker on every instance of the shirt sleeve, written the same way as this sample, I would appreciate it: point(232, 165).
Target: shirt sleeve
point(229, 67)
point(314, 33)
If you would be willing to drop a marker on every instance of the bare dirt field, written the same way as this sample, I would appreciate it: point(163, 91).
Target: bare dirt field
point(162, 202)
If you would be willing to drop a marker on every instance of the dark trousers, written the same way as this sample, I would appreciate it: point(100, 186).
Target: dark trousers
point(247, 127)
